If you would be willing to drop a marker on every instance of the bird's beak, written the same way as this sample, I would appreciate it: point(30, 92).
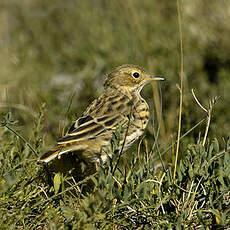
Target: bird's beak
point(156, 78)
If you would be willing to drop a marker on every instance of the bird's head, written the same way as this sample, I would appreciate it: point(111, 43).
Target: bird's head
point(131, 77)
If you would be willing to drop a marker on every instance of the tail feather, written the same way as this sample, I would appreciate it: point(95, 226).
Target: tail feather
point(58, 151)
point(52, 154)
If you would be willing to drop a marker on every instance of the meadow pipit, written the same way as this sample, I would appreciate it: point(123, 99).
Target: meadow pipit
point(120, 105)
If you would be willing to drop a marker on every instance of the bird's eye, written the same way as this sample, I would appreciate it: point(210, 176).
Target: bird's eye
point(136, 75)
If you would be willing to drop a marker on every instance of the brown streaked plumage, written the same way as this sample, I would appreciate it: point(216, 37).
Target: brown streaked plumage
point(120, 105)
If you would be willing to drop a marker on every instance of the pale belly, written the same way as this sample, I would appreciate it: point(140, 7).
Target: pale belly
point(135, 130)
point(125, 144)
point(130, 139)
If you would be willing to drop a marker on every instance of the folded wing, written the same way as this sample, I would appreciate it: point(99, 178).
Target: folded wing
point(101, 118)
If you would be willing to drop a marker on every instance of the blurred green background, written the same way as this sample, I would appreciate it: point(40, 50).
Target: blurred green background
point(56, 51)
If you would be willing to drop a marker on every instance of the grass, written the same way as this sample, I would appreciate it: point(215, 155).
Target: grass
point(180, 88)
point(53, 56)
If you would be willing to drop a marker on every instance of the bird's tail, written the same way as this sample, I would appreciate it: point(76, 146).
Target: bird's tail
point(53, 153)
point(59, 150)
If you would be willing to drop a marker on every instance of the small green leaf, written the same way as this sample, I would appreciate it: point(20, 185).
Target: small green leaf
point(57, 182)
point(216, 145)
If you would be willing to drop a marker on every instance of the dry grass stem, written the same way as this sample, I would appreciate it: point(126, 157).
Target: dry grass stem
point(208, 112)
point(181, 87)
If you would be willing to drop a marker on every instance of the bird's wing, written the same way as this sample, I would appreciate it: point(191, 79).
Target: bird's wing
point(102, 117)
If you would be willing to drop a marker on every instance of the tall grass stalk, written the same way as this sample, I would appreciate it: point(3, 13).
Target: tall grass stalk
point(181, 87)
point(21, 137)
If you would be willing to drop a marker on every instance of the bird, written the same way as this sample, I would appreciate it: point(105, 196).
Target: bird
point(120, 106)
